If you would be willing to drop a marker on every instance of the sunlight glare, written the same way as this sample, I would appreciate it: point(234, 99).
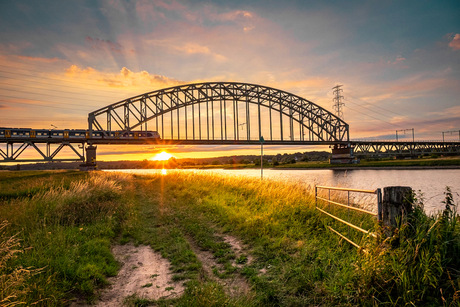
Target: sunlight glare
point(162, 156)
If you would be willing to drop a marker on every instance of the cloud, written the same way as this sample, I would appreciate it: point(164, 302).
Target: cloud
point(452, 111)
point(455, 42)
point(142, 80)
point(101, 44)
point(398, 62)
point(169, 5)
point(236, 15)
point(40, 59)
point(14, 48)
point(194, 48)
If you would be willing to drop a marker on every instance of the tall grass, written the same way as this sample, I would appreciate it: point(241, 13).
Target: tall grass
point(65, 233)
point(12, 280)
point(419, 263)
point(304, 263)
point(56, 245)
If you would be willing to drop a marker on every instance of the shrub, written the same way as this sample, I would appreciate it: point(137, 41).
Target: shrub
point(12, 280)
point(418, 264)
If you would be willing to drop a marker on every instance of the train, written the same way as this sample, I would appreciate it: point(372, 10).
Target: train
point(75, 134)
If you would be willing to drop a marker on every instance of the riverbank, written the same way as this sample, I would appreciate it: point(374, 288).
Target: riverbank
point(348, 167)
point(438, 163)
point(218, 234)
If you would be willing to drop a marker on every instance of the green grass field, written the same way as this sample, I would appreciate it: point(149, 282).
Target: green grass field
point(440, 162)
point(57, 228)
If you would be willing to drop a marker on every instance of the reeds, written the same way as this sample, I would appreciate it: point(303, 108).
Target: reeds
point(418, 264)
point(65, 234)
point(66, 230)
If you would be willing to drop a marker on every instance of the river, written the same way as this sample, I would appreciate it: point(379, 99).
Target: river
point(431, 183)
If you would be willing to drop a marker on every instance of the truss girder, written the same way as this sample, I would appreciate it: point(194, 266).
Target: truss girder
point(404, 148)
point(14, 150)
point(301, 114)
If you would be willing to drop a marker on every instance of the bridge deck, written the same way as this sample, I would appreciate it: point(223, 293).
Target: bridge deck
point(16, 146)
point(132, 141)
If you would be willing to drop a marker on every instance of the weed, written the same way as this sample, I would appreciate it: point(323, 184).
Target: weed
point(241, 259)
point(66, 228)
point(416, 265)
point(135, 301)
point(65, 231)
point(12, 281)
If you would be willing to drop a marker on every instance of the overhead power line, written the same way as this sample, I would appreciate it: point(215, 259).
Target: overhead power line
point(47, 77)
point(43, 105)
point(376, 106)
point(368, 108)
point(53, 84)
point(51, 95)
point(379, 119)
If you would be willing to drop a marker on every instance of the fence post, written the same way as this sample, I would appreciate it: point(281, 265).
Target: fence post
point(379, 204)
point(397, 201)
point(316, 196)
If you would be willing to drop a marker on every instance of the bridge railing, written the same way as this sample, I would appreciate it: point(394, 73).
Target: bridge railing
point(348, 206)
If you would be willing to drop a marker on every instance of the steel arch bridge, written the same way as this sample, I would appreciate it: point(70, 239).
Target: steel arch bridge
point(222, 112)
point(207, 113)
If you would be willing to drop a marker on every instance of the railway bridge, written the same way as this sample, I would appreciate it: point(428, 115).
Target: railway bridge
point(202, 114)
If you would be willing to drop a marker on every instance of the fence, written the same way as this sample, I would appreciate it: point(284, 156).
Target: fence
point(378, 192)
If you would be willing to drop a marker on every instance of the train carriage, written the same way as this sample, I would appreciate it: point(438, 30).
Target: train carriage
point(75, 134)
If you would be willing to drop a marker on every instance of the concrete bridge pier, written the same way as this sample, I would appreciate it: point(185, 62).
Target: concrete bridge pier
point(342, 154)
point(90, 161)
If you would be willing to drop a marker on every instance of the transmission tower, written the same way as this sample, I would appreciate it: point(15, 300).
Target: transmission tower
point(338, 100)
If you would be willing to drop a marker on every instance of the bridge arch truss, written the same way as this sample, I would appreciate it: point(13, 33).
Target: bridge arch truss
point(223, 112)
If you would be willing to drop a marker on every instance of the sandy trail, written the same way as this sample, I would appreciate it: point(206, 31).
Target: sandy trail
point(236, 285)
point(143, 273)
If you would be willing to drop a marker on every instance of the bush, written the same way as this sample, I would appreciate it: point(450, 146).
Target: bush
point(65, 235)
point(12, 289)
point(418, 264)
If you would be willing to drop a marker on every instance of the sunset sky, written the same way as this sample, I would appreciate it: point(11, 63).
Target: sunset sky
point(398, 61)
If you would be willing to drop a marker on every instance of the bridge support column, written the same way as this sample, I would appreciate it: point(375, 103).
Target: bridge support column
point(90, 162)
point(342, 154)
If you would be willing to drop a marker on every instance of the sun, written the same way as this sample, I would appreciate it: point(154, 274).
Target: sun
point(162, 156)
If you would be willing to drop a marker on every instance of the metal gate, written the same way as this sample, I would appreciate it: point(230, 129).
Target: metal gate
point(348, 206)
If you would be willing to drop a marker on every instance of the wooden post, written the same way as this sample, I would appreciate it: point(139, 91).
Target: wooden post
point(397, 201)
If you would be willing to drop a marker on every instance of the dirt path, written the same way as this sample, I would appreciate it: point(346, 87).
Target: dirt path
point(236, 285)
point(143, 273)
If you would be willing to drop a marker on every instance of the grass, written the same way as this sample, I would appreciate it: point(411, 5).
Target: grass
point(383, 163)
point(56, 244)
point(64, 233)
point(418, 264)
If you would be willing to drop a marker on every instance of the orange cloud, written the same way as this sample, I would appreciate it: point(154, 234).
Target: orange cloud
point(234, 15)
point(194, 48)
point(169, 5)
point(455, 42)
point(39, 59)
point(141, 81)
